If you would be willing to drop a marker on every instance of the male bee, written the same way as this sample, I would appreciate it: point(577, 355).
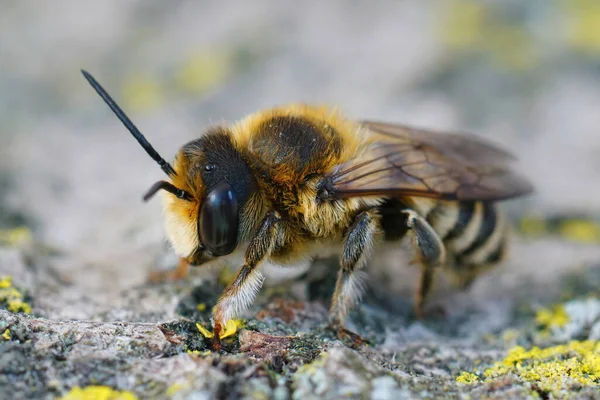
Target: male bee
point(283, 184)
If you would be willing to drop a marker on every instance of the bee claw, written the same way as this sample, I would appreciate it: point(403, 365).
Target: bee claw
point(349, 338)
point(216, 345)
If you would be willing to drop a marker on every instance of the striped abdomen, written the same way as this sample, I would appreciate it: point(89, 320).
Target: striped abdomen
point(474, 234)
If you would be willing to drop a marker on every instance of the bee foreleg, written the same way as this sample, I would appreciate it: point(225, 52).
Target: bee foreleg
point(241, 292)
point(430, 253)
point(349, 287)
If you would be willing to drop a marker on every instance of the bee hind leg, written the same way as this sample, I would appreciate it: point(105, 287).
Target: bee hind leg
point(431, 253)
point(241, 292)
point(348, 288)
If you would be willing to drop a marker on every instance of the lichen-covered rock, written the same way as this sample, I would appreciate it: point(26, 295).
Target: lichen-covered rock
point(560, 371)
point(286, 350)
point(343, 373)
point(577, 319)
point(79, 317)
point(264, 347)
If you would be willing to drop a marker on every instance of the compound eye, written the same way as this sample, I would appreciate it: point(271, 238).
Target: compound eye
point(219, 220)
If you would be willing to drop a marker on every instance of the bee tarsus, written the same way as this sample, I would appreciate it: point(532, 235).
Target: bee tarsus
point(430, 254)
point(349, 285)
point(348, 337)
point(241, 292)
point(216, 342)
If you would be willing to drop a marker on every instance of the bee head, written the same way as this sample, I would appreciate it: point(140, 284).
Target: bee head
point(220, 182)
point(209, 184)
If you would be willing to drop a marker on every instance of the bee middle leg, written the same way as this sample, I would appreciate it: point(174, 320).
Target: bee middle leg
point(348, 288)
point(240, 293)
point(431, 253)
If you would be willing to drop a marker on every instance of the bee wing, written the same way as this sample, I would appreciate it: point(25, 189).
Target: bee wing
point(403, 161)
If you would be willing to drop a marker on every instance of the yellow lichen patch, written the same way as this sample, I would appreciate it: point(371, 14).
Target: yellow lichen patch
point(176, 387)
point(15, 237)
point(5, 282)
point(471, 26)
point(583, 18)
point(580, 231)
point(231, 327)
point(142, 93)
point(467, 378)
point(98, 393)
point(463, 23)
point(510, 335)
point(552, 369)
point(6, 335)
point(19, 306)
point(512, 47)
point(204, 70)
point(200, 353)
point(11, 298)
point(556, 317)
point(532, 226)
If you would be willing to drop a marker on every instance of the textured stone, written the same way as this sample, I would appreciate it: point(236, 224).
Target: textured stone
point(79, 244)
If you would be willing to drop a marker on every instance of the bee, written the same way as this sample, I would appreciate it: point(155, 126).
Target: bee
point(285, 184)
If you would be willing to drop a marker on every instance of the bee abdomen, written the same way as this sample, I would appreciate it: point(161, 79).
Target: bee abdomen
point(474, 233)
point(478, 235)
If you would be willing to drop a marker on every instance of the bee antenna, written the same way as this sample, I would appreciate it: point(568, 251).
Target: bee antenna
point(166, 167)
point(169, 187)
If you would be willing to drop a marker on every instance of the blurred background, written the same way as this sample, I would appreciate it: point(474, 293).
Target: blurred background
point(525, 75)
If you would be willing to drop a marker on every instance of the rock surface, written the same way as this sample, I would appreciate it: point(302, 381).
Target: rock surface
point(78, 316)
point(284, 349)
